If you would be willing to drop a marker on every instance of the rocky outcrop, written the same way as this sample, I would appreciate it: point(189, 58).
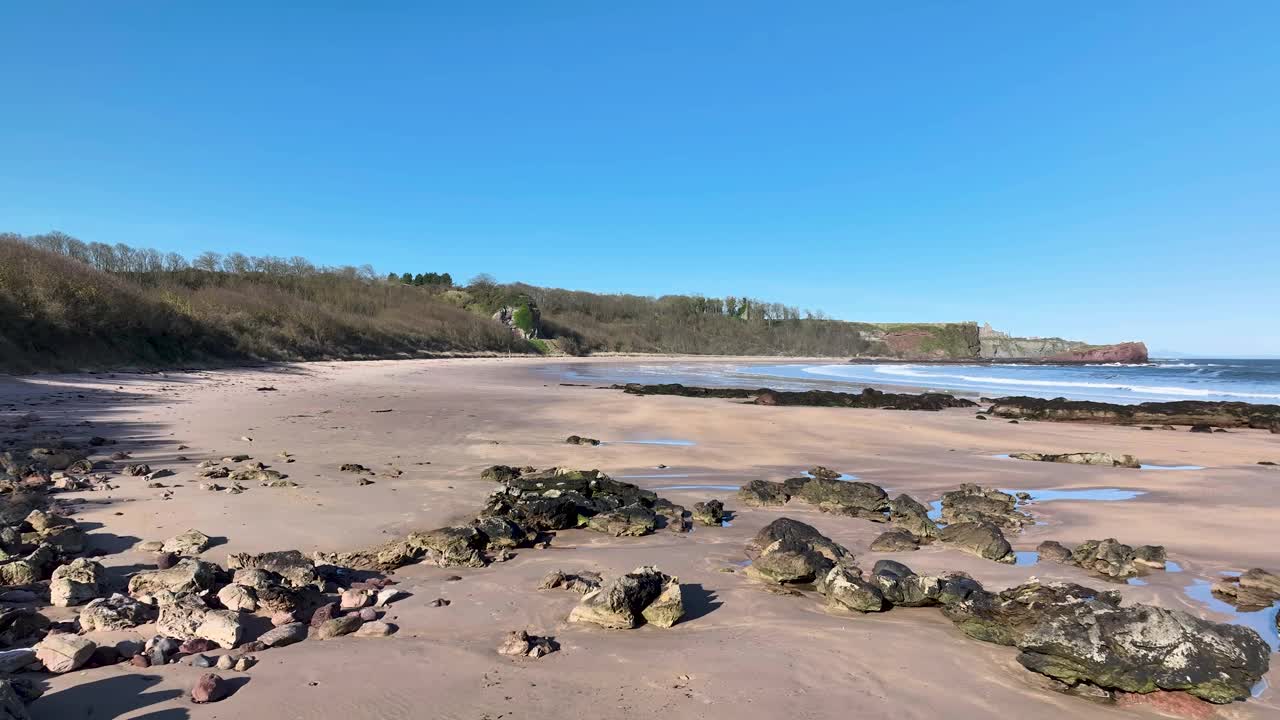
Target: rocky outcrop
point(868, 398)
point(1141, 648)
point(523, 318)
point(459, 546)
point(558, 499)
point(1108, 558)
point(975, 504)
point(1126, 352)
point(1254, 589)
point(1081, 458)
point(1182, 412)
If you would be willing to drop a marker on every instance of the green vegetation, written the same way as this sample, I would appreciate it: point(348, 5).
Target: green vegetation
point(60, 310)
point(67, 305)
point(522, 318)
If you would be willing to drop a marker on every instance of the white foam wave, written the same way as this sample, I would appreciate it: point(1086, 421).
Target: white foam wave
point(915, 372)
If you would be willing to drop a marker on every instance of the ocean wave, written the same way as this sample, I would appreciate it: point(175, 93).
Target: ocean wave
point(908, 371)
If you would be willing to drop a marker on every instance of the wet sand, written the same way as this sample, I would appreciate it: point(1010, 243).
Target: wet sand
point(740, 652)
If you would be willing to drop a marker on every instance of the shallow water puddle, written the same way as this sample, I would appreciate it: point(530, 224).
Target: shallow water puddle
point(675, 443)
point(1094, 494)
point(1263, 621)
point(1024, 558)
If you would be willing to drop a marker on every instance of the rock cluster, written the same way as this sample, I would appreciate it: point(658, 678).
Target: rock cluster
point(868, 398)
point(1182, 412)
point(1070, 633)
point(824, 491)
point(1081, 458)
point(1109, 558)
point(521, 644)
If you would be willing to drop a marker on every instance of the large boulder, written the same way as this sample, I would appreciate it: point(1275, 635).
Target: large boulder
point(845, 589)
point(787, 551)
point(117, 612)
point(709, 513)
point(1142, 648)
point(762, 493)
point(979, 538)
point(632, 520)
point(500, 532)
point(1054, 551)
point(911, 515)
point(1005, 617)
point(975, 504)
point(225, 627)
point(187, 575)
point(286, 634)
point(32, 568)
point(11, 705)
point(1106, 557)
point(64, 652)
point(668, 608)
point(858, 499)
point(896, 540)
point(297, 569)
point(181, 615)
point(620, 603)
point(191, 542)
point(76, 583)
point(238, 597)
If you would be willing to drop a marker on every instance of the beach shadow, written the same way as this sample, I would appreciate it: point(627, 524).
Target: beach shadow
point(98, 544)
point(698, 601)
point(107, 698)
point(118, 575)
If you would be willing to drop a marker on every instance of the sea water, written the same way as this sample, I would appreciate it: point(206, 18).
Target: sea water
point(1255, 381)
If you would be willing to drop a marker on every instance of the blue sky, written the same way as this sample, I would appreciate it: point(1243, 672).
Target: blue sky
point(1105, 171)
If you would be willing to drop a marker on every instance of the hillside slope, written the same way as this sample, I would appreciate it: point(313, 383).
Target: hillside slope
point(70, 305)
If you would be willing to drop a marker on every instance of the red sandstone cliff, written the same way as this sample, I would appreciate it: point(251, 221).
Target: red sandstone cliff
point(1129, 352)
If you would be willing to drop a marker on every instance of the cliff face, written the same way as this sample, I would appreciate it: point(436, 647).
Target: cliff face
point(968, 341)
point(922, 341)
point(995, 348)
point(1128, 352)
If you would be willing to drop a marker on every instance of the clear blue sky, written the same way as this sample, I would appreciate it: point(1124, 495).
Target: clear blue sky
point(1096, 170)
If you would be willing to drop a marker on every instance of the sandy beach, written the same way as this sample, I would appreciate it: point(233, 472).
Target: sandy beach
point(740, 652)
